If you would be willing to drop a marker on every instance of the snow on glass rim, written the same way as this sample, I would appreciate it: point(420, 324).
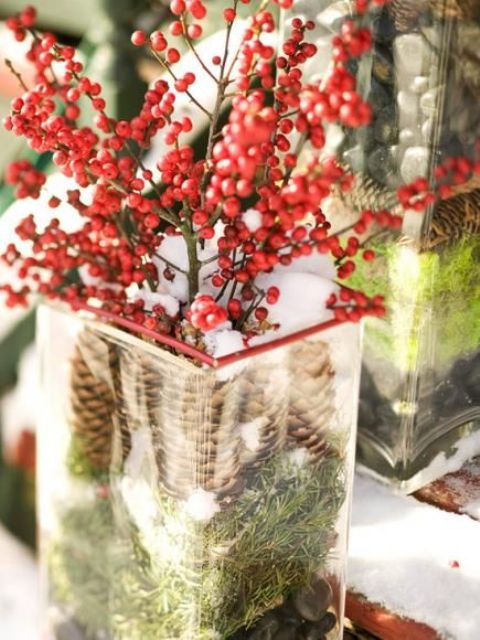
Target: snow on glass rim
point(111, 320)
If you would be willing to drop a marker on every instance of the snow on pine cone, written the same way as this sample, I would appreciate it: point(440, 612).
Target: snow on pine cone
point(93, 367)
point(312, 395)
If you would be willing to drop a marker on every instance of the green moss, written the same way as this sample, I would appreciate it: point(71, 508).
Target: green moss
point(373, 277)
point(453, 291)
point(78, 464)
point(426, 293)
point(174, 577)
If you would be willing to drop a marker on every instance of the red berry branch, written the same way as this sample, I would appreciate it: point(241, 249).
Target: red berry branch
point(267, 158)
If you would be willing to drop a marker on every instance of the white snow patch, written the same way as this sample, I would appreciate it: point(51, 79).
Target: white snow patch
point(152, 298)
point(95, 281)
point(250, 432)
point(173, 249)
point(404, 555)
point(465, 449)
point(472, 509)
point(56, 185)
point(316, 264)
point(201, 505)
point(139, 498)
point(464, 488)
point(253, 219)
point(223, 341)
point(302, 299)
point(298, 457)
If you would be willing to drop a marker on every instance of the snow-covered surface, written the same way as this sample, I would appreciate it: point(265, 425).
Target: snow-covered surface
point(19, 595)
point(416, 560)
point(464, 488)
point(472, 509)
point(465, 449)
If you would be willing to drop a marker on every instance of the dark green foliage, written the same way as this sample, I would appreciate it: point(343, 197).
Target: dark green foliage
point(168, 576)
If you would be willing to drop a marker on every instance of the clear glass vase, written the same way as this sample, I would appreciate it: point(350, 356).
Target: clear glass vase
point(184, 501)
point(419, 415)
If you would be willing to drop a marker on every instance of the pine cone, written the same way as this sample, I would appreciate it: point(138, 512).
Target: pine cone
point(311, 398)
point(263, 414)
point(198, 444)
point(92, 400)
point(366, 194)
point(193, 418)
point(459, 9)
point(454, 219)
point(406, 13)
point(135, 388)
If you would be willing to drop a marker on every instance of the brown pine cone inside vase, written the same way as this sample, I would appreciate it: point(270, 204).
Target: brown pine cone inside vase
point(137, 385)
point(407, 13)
point(92, 400)
point(454, 219)
point(312, 398)
point(264, 411)
point(196, 439)
point(366, 193)
point(459, 9)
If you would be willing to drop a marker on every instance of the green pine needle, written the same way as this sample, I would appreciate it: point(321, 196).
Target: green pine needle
point(221, 575)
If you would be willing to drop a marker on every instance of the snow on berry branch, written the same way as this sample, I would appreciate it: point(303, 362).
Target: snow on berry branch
point(218, 222)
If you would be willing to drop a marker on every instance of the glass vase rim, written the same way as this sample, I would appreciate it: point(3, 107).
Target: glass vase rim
point(117, 324)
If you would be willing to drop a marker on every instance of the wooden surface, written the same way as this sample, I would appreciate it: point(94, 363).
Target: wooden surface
point(384, 624)
point(455, 491)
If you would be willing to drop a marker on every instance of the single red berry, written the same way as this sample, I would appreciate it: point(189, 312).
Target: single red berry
point(138, 38)
point(229, 14)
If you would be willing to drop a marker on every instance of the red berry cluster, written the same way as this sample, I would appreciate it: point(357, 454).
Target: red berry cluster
point(453, 171)
point(23, 21)
point(353, 42)
point(252, 162)
point(362, 6)
point(27, 179)
point(205, 314)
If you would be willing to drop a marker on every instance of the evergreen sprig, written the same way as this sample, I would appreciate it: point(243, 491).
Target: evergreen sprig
point(232, 569)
